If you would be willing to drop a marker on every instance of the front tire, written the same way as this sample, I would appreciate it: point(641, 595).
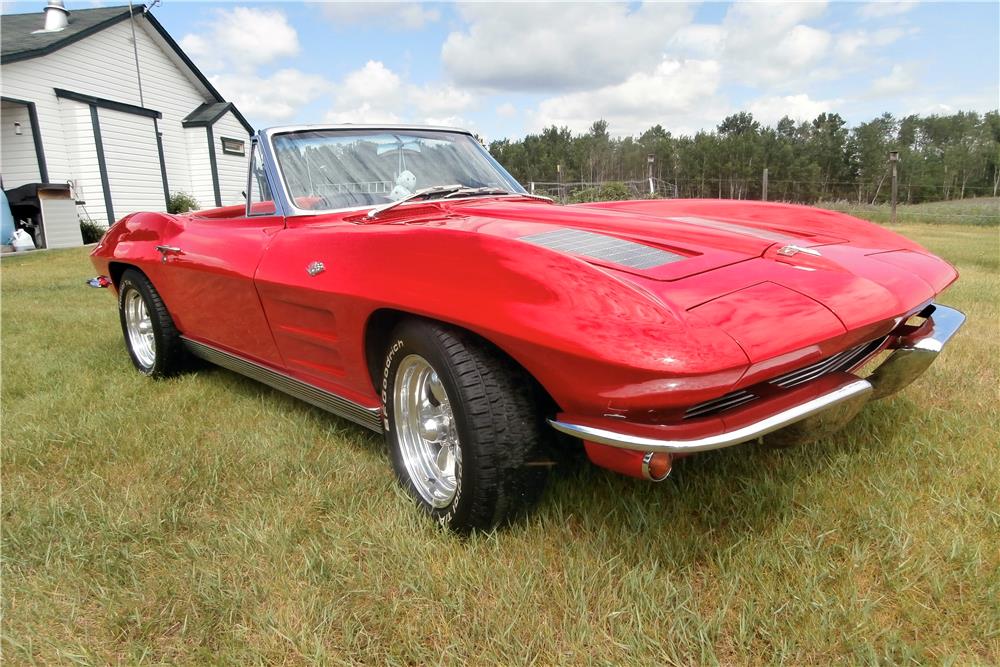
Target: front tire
point(152, 340)
point(463, 425)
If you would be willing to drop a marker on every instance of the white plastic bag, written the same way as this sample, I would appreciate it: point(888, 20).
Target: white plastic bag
point(21, 240)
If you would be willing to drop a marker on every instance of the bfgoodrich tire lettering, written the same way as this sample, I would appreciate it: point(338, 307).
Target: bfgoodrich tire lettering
point(498, 466)
point(154, 345)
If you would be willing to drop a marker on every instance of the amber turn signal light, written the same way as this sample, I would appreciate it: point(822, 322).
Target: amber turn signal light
point(656, 466)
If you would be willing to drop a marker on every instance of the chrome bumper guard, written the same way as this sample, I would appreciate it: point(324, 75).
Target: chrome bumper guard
point(912, 354)
point(916, 351)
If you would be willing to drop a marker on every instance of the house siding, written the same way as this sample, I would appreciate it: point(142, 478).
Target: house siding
point(79, 152)
point(133, 162)
point(232, 168)
point(18, 162)
point(103, 65)
point(199, 167)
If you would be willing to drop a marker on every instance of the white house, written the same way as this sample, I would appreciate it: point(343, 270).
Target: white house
point(106, 100)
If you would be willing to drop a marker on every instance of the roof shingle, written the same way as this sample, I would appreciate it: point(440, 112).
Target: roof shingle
point(21, 35)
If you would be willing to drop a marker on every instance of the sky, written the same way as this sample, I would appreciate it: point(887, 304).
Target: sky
point(508, 69)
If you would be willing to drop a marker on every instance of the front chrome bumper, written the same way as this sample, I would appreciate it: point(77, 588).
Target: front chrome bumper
point(840, 399)
point(916, 351)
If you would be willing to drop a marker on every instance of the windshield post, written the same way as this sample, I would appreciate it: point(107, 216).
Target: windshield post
point(282, 205)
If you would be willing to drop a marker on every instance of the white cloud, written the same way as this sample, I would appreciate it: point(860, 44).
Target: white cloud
point(698, 40)
point(404, 15)
point(375, 94)
point(679, 94)
point(854, 43)
point(374, 81)
point(761, 44)
point(900, 79)
point(558, 46)
point(439, 99)
point(770, 109)
point(365, 112)
point(449, 121)
point(506, 110)
point(926, 105)
point(242, 38)
point(874, 10)
point(274, 98)
point(235, 43)
point(769, 44)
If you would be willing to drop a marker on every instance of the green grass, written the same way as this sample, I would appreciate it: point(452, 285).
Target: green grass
point(210, 519)
point(984, 211)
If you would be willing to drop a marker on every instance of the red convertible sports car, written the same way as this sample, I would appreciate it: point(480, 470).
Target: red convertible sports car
point(400, 278)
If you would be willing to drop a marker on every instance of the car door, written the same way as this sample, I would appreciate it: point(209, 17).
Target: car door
point(207, 277)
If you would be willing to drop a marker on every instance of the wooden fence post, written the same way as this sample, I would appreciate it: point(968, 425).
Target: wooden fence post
point(894, 160)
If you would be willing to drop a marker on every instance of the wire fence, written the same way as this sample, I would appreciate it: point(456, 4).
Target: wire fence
point(971, 205)
point(801, 191)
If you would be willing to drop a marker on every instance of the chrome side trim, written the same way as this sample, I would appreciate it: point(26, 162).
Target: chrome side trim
point(368, 417)
point(854, 393)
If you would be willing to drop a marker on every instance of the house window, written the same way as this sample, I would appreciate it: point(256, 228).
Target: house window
point(233, 146)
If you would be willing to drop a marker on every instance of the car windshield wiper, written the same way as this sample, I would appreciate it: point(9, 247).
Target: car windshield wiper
point(447, 192)
point(426, 193)
point(471, 192)
point(489, 190)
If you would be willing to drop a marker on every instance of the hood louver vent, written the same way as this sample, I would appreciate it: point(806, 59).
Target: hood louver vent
point(603, 248)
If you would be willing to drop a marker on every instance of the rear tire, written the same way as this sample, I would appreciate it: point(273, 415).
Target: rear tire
point(464, 427)
point(152, 340)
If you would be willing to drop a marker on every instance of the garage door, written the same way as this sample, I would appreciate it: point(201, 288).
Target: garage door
point(133, 162)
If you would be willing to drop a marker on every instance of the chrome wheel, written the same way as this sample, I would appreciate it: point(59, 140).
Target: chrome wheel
point(139, 326)
point(426, 431)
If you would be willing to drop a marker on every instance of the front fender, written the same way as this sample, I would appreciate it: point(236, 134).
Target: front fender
point(597, 342)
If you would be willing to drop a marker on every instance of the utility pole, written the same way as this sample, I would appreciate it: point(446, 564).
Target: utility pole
point(650, 159)
point(562, 195)
point(763, 186)
point(893, 161)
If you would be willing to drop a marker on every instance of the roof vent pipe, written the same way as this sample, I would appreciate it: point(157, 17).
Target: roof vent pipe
point(56, 16)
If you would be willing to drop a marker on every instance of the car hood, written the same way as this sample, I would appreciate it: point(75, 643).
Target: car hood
point(663, 240)
point(823, 279)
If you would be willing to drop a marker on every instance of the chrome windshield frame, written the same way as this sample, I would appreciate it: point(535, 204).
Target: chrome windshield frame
point(284, 203)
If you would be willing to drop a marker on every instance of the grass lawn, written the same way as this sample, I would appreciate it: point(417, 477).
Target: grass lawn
point(208, 518)
point(973, 211)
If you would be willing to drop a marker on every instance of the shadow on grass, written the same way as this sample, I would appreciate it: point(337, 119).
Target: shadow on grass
point(712, 501)
point(250, 388)
point(716, 500)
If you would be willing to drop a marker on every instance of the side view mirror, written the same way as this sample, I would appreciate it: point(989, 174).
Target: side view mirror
point(244, 193)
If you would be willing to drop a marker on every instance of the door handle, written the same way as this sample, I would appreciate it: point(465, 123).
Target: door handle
point(165, 250)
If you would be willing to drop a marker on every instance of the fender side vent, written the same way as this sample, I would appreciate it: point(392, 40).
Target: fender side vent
point(603, 248)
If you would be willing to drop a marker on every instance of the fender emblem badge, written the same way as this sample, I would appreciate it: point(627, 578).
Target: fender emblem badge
point(315, 268)
point(790, 250)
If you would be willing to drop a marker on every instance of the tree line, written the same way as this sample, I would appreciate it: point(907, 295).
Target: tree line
point(940, 157)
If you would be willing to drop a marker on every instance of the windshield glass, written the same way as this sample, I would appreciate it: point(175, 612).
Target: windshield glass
point(334, 169)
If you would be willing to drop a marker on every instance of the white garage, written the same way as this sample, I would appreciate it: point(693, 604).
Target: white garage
point(103, 99)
